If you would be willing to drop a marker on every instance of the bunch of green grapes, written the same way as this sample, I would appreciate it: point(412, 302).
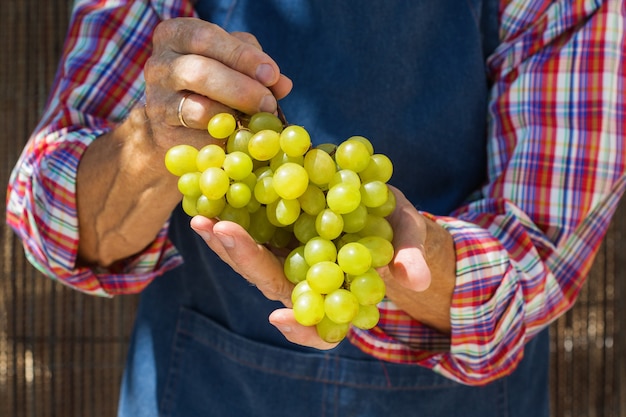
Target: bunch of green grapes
point(326, 206)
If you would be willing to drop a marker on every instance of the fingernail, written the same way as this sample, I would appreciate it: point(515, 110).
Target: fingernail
point(203, 234)
point(265, 74)
point(226, 240)
point(284, 328)
point(268, 104)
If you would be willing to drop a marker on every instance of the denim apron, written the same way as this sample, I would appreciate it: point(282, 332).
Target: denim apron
point(409, 75)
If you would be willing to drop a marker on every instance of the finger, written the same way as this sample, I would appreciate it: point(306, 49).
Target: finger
point(198, 37)
point(194, 111)
point(284, 320)
point(254, 262)
point(408, 267)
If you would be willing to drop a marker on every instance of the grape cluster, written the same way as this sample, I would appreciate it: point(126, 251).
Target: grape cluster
point(326, 206)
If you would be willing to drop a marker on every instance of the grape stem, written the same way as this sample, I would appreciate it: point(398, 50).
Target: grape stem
point(281, 115)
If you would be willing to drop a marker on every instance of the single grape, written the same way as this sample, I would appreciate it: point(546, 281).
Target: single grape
point(189, 205)
point(238, 195)
point(210, 156)
point(308, 308)
point(386, 208)
point(295, 140)
point(343, 198)
point(368, 288)
point(313, 200)
point(290, 180)
point(329, 224)
point(260, 227)
point(237, 165)
point(367, 317)
point(281, 157)
point(210, 208)
point(180, 159)
point(287, 211)
point(325, 277)
point(365, 141)
point(332, 332)
point(300, 288)
point(264, 190)
point(345, 176)
point(264, 145)
point(353, 155)
point(354, 258)
point(295, 266)
point(189, 184)
point(320, 166)
point(379, 168)
point(265, 121)
point(341, 306)
point(354, 221)
point(214, 183)
point(304, 228)
point(319, 249)
point(381, 250)
point(238, 141)
point(241, 216)
point(377, 226)
point(374, 193)
point(222, 125)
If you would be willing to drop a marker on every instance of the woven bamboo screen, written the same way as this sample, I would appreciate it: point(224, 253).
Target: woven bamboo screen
point(62, 353)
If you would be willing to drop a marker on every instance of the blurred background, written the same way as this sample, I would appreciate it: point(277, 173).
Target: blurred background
point(62, 353)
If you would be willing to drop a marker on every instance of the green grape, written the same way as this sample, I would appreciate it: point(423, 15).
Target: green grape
point(367, 317)
point(290, 180)
point(281, 157)
point(300, 288)
point(210, 156)
point(329, 148)
point(381, 250)
point(345, 238)
point(238, 141)
point(263, 171)
point(180, 159)
point(260, 227)
point(264, 145)
point(295, 266)
point(329, 224)
point(210, 208)
point(238, 195)
point(332, 332)
point(264, 190)
point(353, 155)
point(295, 140)
point(386, 208)
point(318, 249)
point(214, 183)
point(354, 258)
point(343, 198)
point(368, 288)
point(365, 141)
point(189, 205)
point(270, 212)
point(354, 221)
point(313, 200)
point(304, 228)
point(287, 211)
point(253, 205)
point(282, 238)
point(377, 226)
point(341, 306)
point(320, 166)
point(325, 277)
point(237, 165)
point(379, 168)
point(374, 193)
point(222, 125)
point(189, 184)
point(265, 121)
point(345, 176)
point(241, 216)
point(308, 308)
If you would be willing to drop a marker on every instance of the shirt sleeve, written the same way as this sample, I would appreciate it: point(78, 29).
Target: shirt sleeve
point(556, 174)
point(99, 79)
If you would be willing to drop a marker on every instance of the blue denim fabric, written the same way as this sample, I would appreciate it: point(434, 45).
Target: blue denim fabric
point(410, 76)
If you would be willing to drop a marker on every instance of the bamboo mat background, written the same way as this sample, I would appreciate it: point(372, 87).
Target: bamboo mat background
point(62, 353)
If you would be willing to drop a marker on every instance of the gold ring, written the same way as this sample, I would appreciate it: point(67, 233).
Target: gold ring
point(180, 110)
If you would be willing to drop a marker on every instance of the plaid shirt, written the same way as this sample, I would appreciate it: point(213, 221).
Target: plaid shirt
point(524, 244)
